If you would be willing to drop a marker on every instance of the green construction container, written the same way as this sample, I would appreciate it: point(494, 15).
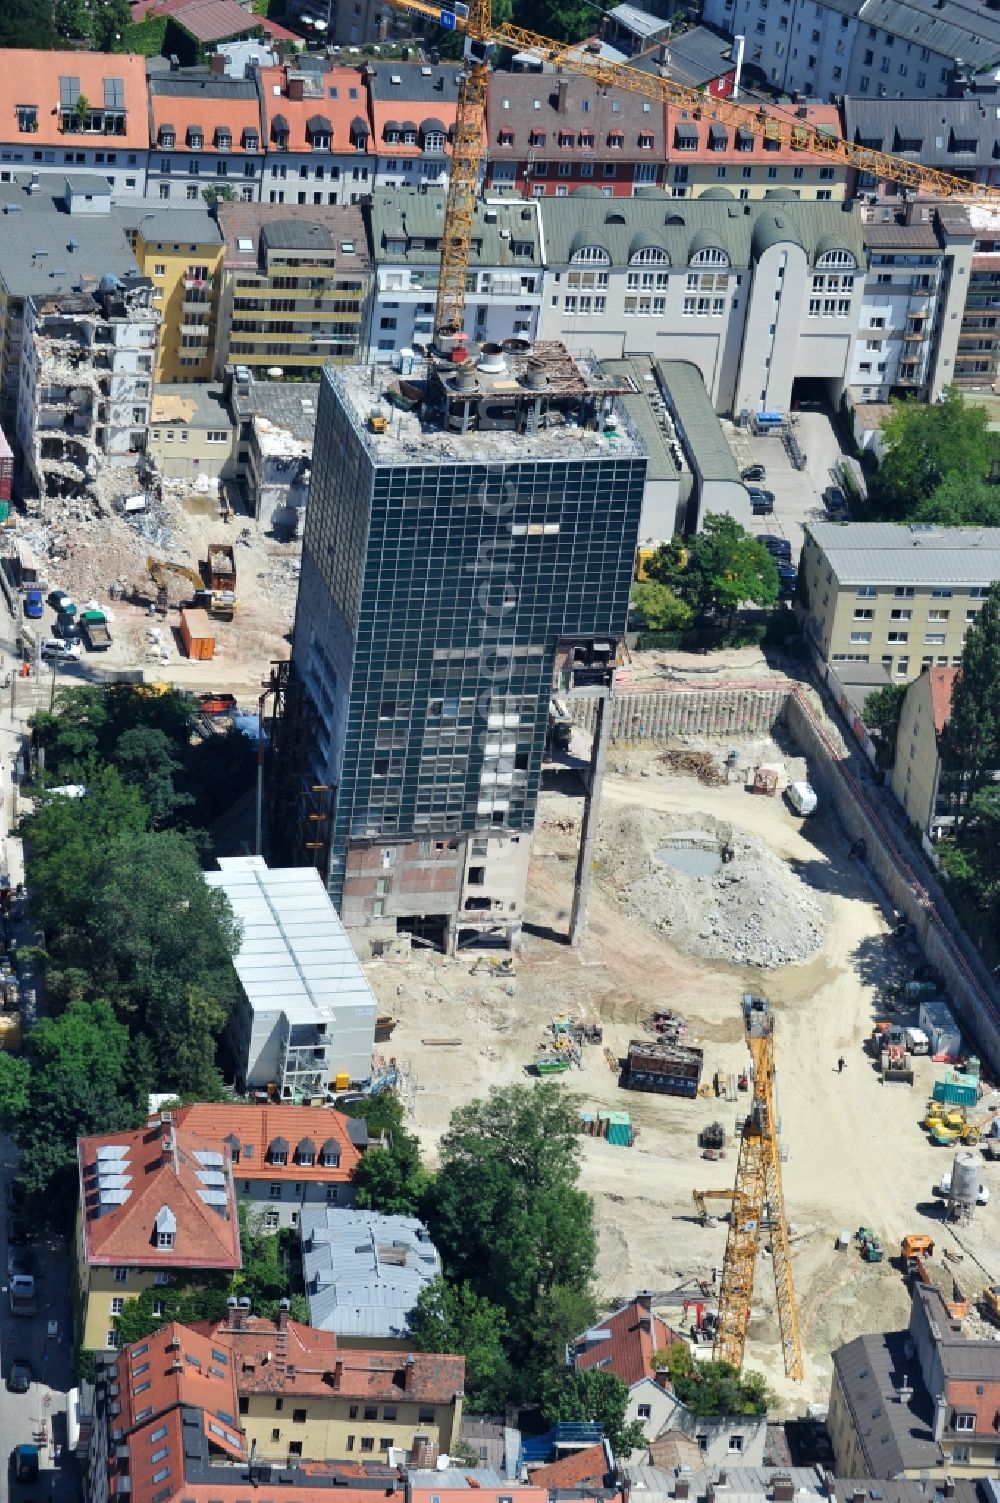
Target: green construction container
point(620, 1129)
point(957, 1090)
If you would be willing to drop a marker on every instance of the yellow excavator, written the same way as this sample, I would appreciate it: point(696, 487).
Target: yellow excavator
point(221, 603)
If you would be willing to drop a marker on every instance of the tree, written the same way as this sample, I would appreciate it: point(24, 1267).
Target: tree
point(81, 112)
point(144, 757)
point(659, 607)
point(505, 1209)
point(27, 23)
point(393, 1178)
point(881, 715)
point(718, 570)
point(715, 1387)
point(926, 443)
point(453, 1318)
point(222, 193)
point(970, 743)
point(961, 502)
point(599, 1397)
point(15, 1090)
point(564, 20)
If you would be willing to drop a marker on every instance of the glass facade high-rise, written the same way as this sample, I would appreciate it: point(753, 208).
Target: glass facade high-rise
point(447, 576)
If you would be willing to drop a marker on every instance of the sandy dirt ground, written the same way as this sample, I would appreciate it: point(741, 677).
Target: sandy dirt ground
point(854, 1151)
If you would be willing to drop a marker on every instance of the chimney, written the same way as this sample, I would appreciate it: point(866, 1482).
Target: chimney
point(218, 64)
point(682, 1487)
point(283, 1308)
point(562, 90)
point(940, 1415)
point(644, 1300)
point(784, 1491)
point(296, 88)
point(424, 1452)
point(949, 1487)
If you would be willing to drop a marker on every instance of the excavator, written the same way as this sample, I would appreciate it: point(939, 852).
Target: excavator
point(221, 603)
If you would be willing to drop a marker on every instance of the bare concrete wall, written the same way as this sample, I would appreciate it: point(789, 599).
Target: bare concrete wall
point(728, 711)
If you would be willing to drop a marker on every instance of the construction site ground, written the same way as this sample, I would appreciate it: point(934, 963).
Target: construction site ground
point(855, 1153)
point(88, 554)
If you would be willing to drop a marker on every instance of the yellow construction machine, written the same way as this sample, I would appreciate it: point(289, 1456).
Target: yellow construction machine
point(221, 603)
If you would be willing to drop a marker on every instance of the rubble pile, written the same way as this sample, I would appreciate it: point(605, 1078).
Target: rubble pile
point(752, 911)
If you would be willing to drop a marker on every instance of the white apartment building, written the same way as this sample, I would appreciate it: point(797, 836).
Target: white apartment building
point(756, 294)
point(505, 271)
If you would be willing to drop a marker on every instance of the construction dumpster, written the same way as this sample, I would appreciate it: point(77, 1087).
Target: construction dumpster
point(197, 634)
point(672, 1069)
point(957, 1090)
point(938, 1023)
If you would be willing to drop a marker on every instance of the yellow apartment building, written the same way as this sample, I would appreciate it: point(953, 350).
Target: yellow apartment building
point(180, 250)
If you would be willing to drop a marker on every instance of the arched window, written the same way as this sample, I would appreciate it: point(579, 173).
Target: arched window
point(711, 256)
point(592, 255)
point(650, 255)
point(836, 260)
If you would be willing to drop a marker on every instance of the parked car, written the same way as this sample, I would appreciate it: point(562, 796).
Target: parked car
point(776, 547)
point(24, 1461)
point(67, 628)
point(761, 501)
point(19, 1377)
point(20, 1260)
point(60, 601)
point(17, 1232)
point(34, 605)
point(835, 501)
point(754, 474)
point(55, 647)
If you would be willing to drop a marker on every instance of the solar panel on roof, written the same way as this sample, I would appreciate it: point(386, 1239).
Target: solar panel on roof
point(69, 90)
point(114, 93)
point(213, 1197)
point(209, 1158)
point(112, 1151)
point(212, 1177)
point(113, 1197)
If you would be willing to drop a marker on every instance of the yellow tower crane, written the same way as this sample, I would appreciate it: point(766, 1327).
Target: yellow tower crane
point(757, 1195)
point(475, 19)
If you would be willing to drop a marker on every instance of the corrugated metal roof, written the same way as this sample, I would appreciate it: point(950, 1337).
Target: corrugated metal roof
point(884, 553)
point(971, 33)
point(364, 1271)
point(695, 414)
point(294, 955)
point(405, 214)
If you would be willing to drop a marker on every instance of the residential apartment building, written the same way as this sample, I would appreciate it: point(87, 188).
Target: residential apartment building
point(180, 250)
point(155, 1203)
point(73, 112)
point(284, 1157)
point(917, 1403)
point(623, 1343)
point(204, 136)
point(302, 1394)
point(977, 359)
point(917, 768)
point(504, 280)
point(419, 756)
point(551, 132)
point(909, 332)
point(86, 381)
point(704, 152)
point(296, 283)
point(305, 1020)
point(191, 431)
point(364, 1272)
point(317, 134)
point(896, 595)
point(866, 47)
point(756, 295)
point(413, 108)
point(960, 136)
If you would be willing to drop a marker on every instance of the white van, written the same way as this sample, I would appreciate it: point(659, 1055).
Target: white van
point(801, 797)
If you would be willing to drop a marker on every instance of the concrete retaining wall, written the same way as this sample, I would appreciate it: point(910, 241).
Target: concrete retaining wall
point(721, 712)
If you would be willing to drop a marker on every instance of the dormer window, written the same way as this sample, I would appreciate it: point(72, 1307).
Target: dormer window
point(279, 132)
point(232, 1141)
point(410, 136)
point(330, 1154)
point(359, 133)
point(645, 140)
point(277, 1152)
point(251, 140)
point(506, 138)
point(305, 1154)
point(434, 140)
point(223, 138)
point(167, 137)
point(195, 138)
point(319, 132)
point(536, 138)
point(391, 132)
point(27, 118)
point(164, 1229)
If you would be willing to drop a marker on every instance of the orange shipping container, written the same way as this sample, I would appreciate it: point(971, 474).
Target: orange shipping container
point(197, 634)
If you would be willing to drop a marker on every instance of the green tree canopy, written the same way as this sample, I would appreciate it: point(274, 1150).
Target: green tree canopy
point(659, 607)
point(881, 715)
point(960, 502)
point(715, 1387)
point(719, 569)
point(598, 1397)
point(927, 444)
point(971, 740)
point(452, 1318)
point(505, 1207)
point(144, 757)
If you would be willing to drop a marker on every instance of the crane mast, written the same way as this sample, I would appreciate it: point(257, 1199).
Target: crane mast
point(758, 1194)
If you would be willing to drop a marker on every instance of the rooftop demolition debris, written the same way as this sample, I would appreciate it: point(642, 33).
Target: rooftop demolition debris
point(752, 910)
point(668, 1068)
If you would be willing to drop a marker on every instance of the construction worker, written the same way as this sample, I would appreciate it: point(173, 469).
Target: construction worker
point(840, 1065)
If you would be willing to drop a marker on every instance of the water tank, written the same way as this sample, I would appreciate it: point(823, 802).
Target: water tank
point(491, 361)
point(966, 1176)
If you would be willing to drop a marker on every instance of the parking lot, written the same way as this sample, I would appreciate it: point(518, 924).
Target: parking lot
point(798, 494)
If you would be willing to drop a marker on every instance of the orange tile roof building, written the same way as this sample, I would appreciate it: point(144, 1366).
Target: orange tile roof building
point(413, 109)
point(302, 1394)
point(283, 1157)
point(317, 134)
point(624, 1343)
point(45, 128)
point(168, 1426)
point(710, 153)
point(154, 1202)
point(204, 134)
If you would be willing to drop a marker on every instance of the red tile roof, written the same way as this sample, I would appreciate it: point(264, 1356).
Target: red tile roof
point(590, 1465)
point(206, 20)
point(563, 117)
point(248, 1131)
point(707, 128)
point(942, 684)
point(302, 1360)
point(635, 1335)
point(176, 1365)
point(339, 95)
point(158, 1168)
point(32, 78)
point(208, 104)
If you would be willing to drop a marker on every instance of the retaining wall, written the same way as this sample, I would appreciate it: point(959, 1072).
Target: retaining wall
point(735, 709)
